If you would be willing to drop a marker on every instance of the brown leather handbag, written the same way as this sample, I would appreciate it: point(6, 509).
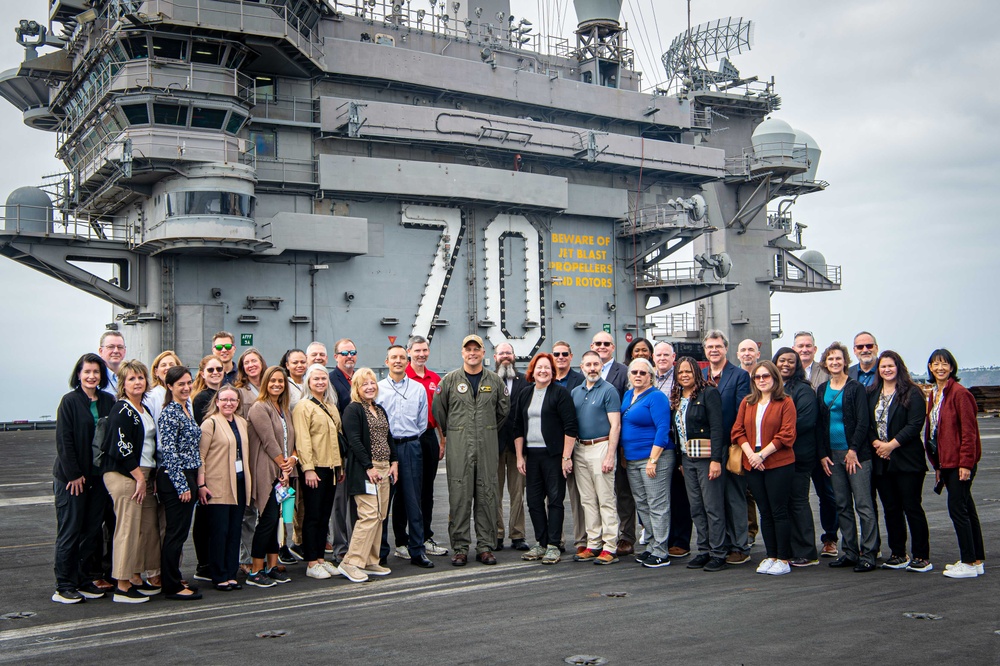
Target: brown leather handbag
point(734, 463)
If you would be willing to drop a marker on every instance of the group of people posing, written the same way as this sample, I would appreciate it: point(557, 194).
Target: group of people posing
point(242, 447)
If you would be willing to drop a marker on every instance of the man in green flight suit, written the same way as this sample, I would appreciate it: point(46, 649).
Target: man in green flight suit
point(470, 406)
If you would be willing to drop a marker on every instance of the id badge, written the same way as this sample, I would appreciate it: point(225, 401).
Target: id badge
point(239, 466)
point(370, 488)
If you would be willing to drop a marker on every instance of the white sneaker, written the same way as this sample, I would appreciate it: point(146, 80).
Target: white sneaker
point(962, 570)
point(779, 568)
point(765, 565)
point(318, 571)
point(330, 567)
point(402, 552)
point(642, 538)
point(980, 568)
point(352, 573)
point(431, 548)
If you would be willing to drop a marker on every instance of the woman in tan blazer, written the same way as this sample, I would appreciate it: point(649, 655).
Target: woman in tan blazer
point(224, 484)
point(317, 443)
point(272, 462)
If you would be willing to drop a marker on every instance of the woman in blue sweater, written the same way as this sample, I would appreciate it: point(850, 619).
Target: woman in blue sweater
point(649, 457)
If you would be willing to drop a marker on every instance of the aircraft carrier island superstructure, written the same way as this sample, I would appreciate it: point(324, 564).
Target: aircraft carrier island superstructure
point(291, 170)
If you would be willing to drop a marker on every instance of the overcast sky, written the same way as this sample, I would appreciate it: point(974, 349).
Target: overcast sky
point(901, 95)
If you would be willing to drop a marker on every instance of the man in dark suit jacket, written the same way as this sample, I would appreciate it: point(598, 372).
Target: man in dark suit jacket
point(342, 521)
point(733, 384)
point(616, 374)
point(565, 375)
point(507, 469)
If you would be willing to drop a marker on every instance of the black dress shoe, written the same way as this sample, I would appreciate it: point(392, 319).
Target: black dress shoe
point(843, 562)
point(520, 544)
point(422, 562)
point(864, 567)
point(499, 545)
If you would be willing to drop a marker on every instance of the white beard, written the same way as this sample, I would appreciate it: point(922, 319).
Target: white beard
point(506, 371)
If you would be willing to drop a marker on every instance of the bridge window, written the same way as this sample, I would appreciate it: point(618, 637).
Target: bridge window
point(169, 114)
point(207, 118)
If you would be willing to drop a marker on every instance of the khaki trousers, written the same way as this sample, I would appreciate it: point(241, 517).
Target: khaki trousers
point(597, 496)
point(507, 471)
point(137, 528)
point(372, 510)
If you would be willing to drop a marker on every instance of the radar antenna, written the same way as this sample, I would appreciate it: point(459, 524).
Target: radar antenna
point(686, 61)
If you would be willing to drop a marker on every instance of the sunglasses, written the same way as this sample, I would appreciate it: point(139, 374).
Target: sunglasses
point(638, 373)
point(227, 347)
point(762, 377)
point(603, 344)
point(213, 370)
point(348, 353)
point(864, 346)
point(561, 354)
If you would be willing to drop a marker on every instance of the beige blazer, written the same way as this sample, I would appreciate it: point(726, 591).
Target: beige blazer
point(218, 455)
point(265, 446)
point(316, 439)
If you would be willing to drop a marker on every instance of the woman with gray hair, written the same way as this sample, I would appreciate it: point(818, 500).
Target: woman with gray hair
point(649, 457)
point(317, 442)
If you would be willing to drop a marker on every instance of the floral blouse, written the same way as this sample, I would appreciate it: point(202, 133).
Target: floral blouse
point(179, 446)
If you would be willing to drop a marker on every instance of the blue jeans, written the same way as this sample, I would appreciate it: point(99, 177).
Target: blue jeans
point(652, 498)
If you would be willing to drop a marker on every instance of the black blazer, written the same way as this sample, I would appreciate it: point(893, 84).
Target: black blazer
point(505, 435)
point(75, 434)
point(572, 379)
point(856, 418)
point(125, 438)
point(704, 421)
point(806, 418)
point(734, 385)
point(359, 446)
point(905, 426)
point(342, 386)
point(618, 377)
point(558, 417)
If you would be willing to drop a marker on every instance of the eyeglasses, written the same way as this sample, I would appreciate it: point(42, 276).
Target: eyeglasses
point(561, 354)
point(638, 373)
point(115, 347)
point(865, 346)
point(213, 370)
point(227, 347)
point(601, 343)
point(228, 400)
point(762, 377)
point(348, 353)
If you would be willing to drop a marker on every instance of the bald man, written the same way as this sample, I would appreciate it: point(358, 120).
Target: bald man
point(749, 353)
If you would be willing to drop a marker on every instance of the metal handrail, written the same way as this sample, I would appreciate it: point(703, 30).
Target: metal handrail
point(669, 272)
point(21, 219)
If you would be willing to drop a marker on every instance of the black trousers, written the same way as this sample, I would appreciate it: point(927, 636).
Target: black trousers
point(681, 524)
point(964, 516)
point(201, 535)
point(803, 529)
point(430, 453)
point(78, 532)
point(178, 517)
point(318, 504)
point(224, 523)
point(771, 490)
point(624, 502)
point(545, 484)
point(901, 494)
point(265, 537)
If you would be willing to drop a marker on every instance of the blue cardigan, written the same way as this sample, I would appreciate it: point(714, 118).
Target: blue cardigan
point(645, 424)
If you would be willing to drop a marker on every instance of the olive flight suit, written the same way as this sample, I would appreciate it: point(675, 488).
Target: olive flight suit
point(470, 420)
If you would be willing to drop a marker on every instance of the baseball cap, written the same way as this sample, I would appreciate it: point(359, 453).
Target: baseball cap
point(473, 338)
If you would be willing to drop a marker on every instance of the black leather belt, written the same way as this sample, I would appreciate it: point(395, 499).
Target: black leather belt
point(404, 440)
